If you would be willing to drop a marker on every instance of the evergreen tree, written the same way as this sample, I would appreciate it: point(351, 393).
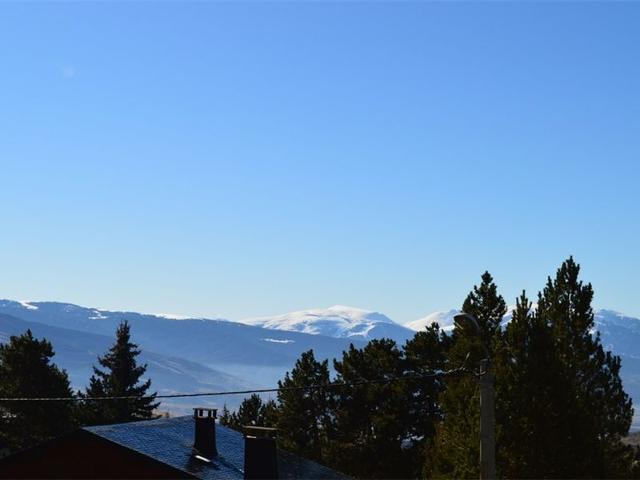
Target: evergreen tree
point(226, 417)
point(249, 411)
point(531, 398)
point(370, 430)
point(456, 451)
point(120, 376)
point(597, 412)
point(560, 406)
point(252, 411)
point(425, 354)
point(304, 413)
point(270, 414)
point(26, 371)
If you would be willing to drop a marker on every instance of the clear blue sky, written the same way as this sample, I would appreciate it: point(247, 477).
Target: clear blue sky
point(255, 158)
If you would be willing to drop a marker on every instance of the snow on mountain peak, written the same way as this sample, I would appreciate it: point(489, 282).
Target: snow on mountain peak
point(17, 304)
point(172, 316)
point(444, 319)
point(339, 321)
point(27, 305)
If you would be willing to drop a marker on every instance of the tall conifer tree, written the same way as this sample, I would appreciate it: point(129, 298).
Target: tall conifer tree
point(304, 414)
point(598, 412)
point(530, 397)
point(370, 429)
point(456, 449)
point(425, 354)
point(120, 376)
point(26, 371)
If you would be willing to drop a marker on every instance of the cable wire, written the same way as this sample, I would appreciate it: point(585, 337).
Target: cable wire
point(442, 374)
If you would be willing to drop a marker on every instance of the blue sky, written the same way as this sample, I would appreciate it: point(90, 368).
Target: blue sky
point(242, 159)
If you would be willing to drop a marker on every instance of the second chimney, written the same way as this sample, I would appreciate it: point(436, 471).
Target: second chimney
point(205, 426)
point(260, 453)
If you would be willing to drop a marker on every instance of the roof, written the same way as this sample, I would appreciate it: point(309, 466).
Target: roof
point(170, 441)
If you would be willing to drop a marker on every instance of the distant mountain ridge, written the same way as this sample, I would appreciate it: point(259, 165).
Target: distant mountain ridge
point(219, 354)
point(338, 321)
point(77, 352)
point(257, 356)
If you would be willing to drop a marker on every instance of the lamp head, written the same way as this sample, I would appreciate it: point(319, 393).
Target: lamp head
point(467, 323)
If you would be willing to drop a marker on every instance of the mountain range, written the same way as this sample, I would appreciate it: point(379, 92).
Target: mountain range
point(338, 321)
point(198, 355)
point(188, 355)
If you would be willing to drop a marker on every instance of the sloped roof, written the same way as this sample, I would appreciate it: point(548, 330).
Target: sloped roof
point(170, 441)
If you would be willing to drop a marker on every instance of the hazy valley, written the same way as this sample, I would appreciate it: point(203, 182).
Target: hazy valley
point(200, 355)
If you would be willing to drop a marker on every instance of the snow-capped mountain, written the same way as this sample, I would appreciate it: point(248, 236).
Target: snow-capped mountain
point(200, 354)
point(444, 319)
point(256, 355)
point(338, 321)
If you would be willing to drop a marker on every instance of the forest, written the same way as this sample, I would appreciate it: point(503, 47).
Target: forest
point(387, 410)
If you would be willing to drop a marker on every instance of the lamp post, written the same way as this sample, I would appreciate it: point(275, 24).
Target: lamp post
point(468, 324)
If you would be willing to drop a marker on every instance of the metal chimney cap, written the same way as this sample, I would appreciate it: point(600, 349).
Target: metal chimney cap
point(253, 431)
point(203, 412)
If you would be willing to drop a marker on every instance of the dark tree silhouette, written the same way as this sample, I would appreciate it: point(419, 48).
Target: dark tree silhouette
point(26, 371)
point(120, 376)
point(597, 412)
point(456, 448)
point(304, 414)
point(370, 427)
point(252, 411)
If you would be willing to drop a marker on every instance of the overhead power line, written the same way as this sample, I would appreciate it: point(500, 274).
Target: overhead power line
point(442, 374)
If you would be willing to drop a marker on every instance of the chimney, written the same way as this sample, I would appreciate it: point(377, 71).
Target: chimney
point(260, 453)
point(205, 441)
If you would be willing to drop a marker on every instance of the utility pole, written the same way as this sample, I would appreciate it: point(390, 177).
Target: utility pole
point(468, 324)
point(487, 422)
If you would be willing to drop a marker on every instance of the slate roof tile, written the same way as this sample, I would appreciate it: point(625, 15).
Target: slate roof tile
point(170, 441)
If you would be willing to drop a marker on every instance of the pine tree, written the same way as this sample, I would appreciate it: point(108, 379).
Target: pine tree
point(252, 411)
point(456, 452)
point(530, 398)
point(249, 411)
point(120, 376)
point(425, 354)
point(488, 308)
point(26, 371)
point(560, 406)
point(370, 429)
point(270, 414)
point(304, 414)
point(598, 412)
point(226, 417)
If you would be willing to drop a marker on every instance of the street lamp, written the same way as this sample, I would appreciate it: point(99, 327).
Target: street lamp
point(469, 325)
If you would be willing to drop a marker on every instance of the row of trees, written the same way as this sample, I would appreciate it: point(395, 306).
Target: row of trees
point(26, 370)
point(561, 410)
